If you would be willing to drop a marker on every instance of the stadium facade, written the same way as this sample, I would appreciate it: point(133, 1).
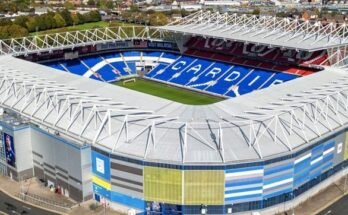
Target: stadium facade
point(264, 151)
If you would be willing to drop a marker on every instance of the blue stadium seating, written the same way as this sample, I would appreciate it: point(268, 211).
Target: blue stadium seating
point(253, 81)
point(95, 77)
point(55, 65)
point(193, 68)
point(228, 79)
point(132, 67)
point(107, 73)
point(91, 61)
point(280, 78)
point(212, 74)
point(154, 71)
point(177, 66)
point(75, 66)
point(120, 66)
point(152, 54)
point(170, 55)
point(192, 72)
point(111, 55)
point(131, 53)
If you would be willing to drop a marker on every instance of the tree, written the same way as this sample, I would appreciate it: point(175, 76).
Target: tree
point(12, 31)
point(184, 12)
point(17, 31)
point(40, 23)
point(92, 16)
point(4, 22)
point(69, 6)
point(67, 17)
point(21, 21)
point(49, 20)
point(91, 3)
point(60, 22)
point(158, 19)
point(105, 4)
point(78, 19)
point(134, 8)
point(109, 5)
point(256, 11)
point(32, 24)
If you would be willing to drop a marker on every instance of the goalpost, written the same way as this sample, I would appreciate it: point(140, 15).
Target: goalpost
point(129, 80)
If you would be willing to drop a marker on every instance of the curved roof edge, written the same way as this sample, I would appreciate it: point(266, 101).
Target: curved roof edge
point(259, 125)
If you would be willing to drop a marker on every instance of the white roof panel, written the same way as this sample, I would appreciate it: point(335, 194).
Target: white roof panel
point(259, 125)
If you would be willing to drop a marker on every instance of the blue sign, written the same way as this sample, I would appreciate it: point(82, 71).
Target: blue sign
point(101, 165)
point(101, 191)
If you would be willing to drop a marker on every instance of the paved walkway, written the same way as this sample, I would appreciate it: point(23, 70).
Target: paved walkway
point(36, 191)
point(100, 210)
point(33, 187)
point(322, 200)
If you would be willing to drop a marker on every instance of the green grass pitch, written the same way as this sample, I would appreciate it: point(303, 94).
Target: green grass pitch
point(169, 92)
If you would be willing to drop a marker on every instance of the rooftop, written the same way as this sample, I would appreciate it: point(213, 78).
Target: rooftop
point(260, 125)
point(266, 30)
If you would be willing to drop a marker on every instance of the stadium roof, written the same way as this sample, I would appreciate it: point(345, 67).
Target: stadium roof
point(72, 39)
point(259, 125)
point(267, 30)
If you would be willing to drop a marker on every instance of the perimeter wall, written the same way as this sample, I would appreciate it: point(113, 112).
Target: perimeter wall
point(159, 188)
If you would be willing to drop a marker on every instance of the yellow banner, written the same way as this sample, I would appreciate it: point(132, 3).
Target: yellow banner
point(101, 182)
point(204, 187)
point(163, 185)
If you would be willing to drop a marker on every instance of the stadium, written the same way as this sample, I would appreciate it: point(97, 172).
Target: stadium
point(212, 114)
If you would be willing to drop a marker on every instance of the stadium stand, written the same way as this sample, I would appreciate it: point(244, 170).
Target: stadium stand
point(212, 73)
point(258, 56)
point(217, 77)
point(111, 66)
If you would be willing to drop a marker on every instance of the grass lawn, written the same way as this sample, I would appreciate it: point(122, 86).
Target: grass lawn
point(170, 92)
point(86, 26)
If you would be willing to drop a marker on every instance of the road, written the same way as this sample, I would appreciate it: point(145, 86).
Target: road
point(337, 208)
point(11, 206)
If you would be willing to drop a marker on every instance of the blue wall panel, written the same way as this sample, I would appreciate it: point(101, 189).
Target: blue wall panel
point(243, 184)
point(127, 200)
point(101, 191)
point(101, 165)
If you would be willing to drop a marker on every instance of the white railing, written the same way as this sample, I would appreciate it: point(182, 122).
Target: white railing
point(72, 39)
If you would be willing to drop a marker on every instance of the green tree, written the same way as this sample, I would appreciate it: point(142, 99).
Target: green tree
point(256, 11)
point(134, 8)
point(12, 31)
point(4, 22)
point(21, 21)
point(109, 5)
point(92, 16)
point(69, 5)
point(67, 17)
point(60, 22)
point(91, 3)
point(32, 24)
point(105, 4)
point(78, 19)
point(158, 19)
point(49, 20)
point(17, 31)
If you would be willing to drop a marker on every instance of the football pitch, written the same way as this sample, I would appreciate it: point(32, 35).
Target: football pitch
point(169, 92)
